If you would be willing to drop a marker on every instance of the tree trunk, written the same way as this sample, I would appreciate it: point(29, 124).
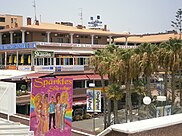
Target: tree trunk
point(130, 105)
point(173, 87)
point(148, 91)
point(165, 83)
point(128, 101)
point(116, 112)
point(139, 105)
point(126, 106)
point(104, 102)
point(109, 112)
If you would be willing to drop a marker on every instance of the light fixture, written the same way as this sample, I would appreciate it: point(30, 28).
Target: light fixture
point(146, 100)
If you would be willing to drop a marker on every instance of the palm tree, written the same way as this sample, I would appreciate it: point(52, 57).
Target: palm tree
point(174, 47)
point(100, 66)
point(115, 93)
point(148, 62)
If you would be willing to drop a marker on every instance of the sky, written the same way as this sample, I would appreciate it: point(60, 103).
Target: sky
point(134, 16)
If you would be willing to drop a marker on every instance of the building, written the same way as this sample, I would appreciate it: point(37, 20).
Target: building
point(52, 50)
point(10, 21)
point(134, 40)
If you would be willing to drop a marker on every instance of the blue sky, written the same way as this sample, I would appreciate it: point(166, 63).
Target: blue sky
point(135, 16)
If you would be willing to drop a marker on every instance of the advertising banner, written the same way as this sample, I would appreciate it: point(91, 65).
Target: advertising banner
point(97, 100)
point(167, 110)
point(51, 106)
point(93, 100)
point(160, 111)
point(90, 100)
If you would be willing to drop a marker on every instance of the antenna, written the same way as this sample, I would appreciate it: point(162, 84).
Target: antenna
point(81, 16)
point(34, 5)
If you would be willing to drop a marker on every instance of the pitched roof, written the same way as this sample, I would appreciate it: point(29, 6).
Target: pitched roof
point(153, 38)
point(64, 29)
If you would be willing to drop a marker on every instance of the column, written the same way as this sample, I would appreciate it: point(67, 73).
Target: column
point(17, 59)
point(110, 40)
point(5, 60)
point(48, 37)
point(71, 40)
point(1, 34)
point(11, 37)
point(32, 59)
point(126, 41)
point(23, 36)
point(92, 39)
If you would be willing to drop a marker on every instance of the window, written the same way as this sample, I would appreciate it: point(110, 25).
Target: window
point(11, 20)
point(2, 27)
point(2, 19)
point(60, 40)
point(78, 84)
point(81, 60)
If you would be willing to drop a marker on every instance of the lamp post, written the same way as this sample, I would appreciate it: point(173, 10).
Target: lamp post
point(92, 85)
point(147, 101)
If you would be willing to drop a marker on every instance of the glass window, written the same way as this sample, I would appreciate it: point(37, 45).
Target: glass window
point(2, 19)
point(98, 83)
point(78, 84)
point(88, 82)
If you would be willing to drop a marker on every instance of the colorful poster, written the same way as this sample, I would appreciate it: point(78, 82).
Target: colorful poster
point(51, 106)
point(167, 110)
point(160, 111)
point(97, 100)
point(93, 100)
point(90, 100)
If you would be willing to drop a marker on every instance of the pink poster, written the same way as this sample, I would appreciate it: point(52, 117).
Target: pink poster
point(51, 106)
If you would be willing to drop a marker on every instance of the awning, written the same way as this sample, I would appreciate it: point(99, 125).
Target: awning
point(75, 77)
point(95, 77)
point(83, 77)
point(36, 75)
point(10, 74)
point(82, 102)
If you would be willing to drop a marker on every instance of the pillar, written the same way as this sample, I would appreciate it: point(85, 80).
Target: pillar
point(110, 40)
point(17, 59)
point(1, 34)
point(126, 41)
point(48, 37)
point(23, 36)
point(71, 40)
point(5, 60)
point(92, 39)
point(11, 37)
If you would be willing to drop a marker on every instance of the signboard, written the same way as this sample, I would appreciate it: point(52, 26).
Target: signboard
point(97, 100)
point(8, 98)
point(71, 45)
point(27, 45)
point(11, 67)
point(25, 68)
point(51, 106)
point(44, 68)
point(159, 111)
point(167, 110)
point(43, 54)
point(70, 68)
point(93, 100)
point(90, 100)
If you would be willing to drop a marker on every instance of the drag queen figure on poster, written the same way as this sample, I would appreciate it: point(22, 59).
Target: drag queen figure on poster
point(64, 105)
point(45, 114)
point(38, 113)
point(58, 110)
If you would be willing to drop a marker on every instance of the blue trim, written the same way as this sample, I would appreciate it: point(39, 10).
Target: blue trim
point(28, 45)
